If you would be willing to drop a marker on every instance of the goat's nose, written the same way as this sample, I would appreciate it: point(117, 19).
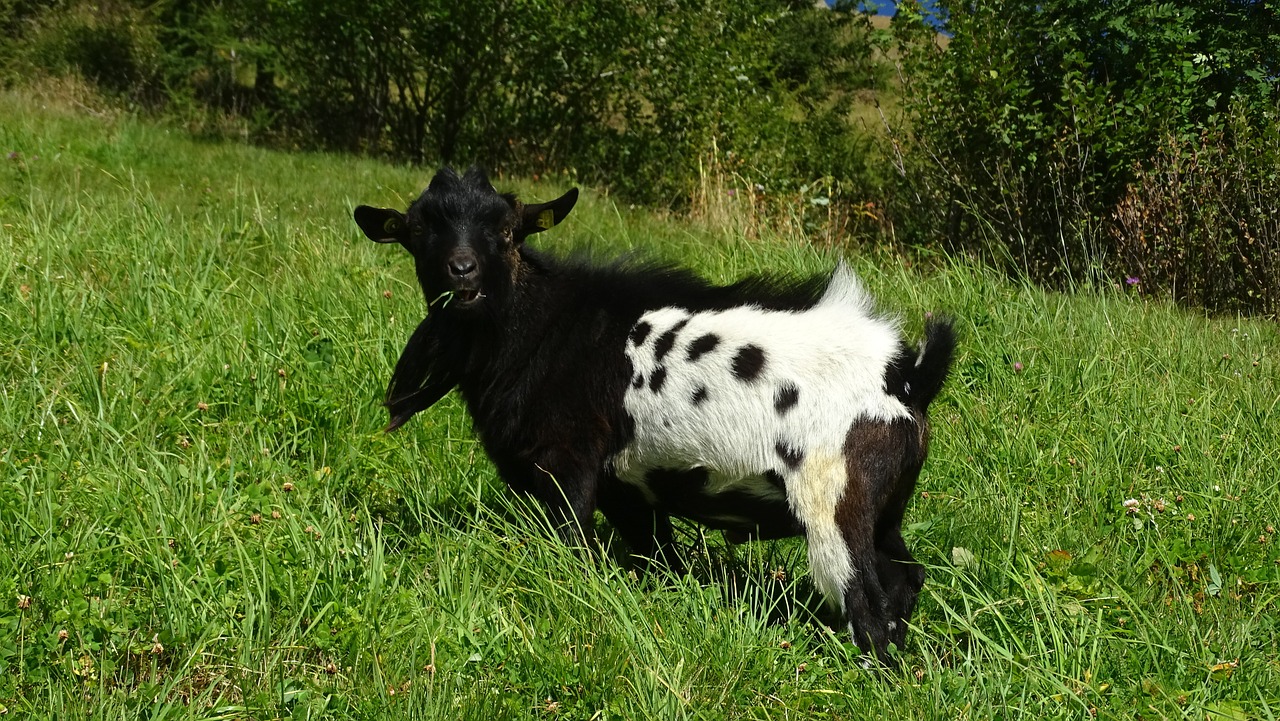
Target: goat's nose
point(462, 266)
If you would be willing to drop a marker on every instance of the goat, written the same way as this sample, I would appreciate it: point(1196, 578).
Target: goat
point(764, 408)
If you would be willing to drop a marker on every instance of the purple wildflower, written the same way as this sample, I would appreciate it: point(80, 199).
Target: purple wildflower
point(1131, 280)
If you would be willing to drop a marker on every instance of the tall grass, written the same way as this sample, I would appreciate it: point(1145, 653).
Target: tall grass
point(200, 518)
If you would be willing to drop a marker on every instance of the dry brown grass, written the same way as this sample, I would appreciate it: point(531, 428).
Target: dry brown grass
point(820, 213)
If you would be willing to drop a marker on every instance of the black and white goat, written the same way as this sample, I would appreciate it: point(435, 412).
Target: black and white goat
point(765, 409)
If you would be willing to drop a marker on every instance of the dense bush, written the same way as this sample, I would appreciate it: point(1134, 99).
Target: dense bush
point(1201, 220)
point(113, 46)
point(15, 18)
point(1038, 121)
point(804, 151)
point(628, 94)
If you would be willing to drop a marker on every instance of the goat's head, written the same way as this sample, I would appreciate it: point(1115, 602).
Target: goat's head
point(464, 236)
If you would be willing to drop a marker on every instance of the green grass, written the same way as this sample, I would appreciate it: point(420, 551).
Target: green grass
point(200, 518)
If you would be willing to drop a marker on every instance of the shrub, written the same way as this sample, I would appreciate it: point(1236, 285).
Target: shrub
point(626, 94)
point(113, 46)
point(1030, 127)
point(1200, 221)
point(796, 156)
point(16, 21)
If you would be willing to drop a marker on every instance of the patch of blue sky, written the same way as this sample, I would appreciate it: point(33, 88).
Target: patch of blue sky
point(935, 15)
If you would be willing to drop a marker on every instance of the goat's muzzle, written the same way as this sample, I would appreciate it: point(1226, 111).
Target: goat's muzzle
point(464, 277)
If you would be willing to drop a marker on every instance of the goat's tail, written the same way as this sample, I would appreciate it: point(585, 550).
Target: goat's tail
point(925, 378)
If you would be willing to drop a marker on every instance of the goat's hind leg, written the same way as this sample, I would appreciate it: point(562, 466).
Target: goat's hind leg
point(883, 460)
point(866, 605)
point(902, 577)
point(848, 576)
point(842, 556)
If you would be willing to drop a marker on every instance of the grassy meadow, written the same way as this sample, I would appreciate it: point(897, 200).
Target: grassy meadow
point(201, 518)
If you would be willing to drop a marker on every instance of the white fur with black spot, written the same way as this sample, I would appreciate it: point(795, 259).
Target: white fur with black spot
point(834, 354)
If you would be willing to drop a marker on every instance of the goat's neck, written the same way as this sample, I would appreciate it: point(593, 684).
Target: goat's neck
point(515, 326)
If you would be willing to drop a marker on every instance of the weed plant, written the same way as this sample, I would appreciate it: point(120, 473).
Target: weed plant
point(200, 518)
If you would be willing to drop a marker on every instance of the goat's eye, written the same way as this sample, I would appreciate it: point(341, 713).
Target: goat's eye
point(418, 229)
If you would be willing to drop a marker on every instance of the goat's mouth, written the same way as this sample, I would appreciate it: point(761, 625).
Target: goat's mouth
point(467, 296)
point(457, 298)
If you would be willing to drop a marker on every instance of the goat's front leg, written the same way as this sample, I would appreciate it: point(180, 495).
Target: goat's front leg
point(646, 530)
point(563, 497)
point(570, 503)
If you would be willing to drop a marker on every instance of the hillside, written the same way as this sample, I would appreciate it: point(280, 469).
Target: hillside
point(202, 519)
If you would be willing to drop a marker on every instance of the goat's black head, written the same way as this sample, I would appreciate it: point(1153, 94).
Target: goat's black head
point(464, 236)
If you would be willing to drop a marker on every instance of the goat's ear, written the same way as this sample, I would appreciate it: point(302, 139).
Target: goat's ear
point(382, 225)
point(537, 218)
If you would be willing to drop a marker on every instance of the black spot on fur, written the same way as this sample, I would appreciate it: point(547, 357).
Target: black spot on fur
point(786, 398)
point(700, 396)
point(774, 478)
point(704, 344)
point(640, 332)
point(748, 363)
point(793, 457)
point(638, 381)
point(667, 341)
point(657, 379)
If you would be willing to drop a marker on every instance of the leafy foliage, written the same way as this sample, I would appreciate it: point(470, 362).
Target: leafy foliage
point(1200, 221)
point(1035, 121)
point(627, 94)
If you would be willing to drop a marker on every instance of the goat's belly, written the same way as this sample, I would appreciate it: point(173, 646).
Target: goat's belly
point(752, 507)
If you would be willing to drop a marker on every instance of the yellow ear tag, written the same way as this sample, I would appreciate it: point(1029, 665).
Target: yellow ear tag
point(546, 219)
point(392, 226)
